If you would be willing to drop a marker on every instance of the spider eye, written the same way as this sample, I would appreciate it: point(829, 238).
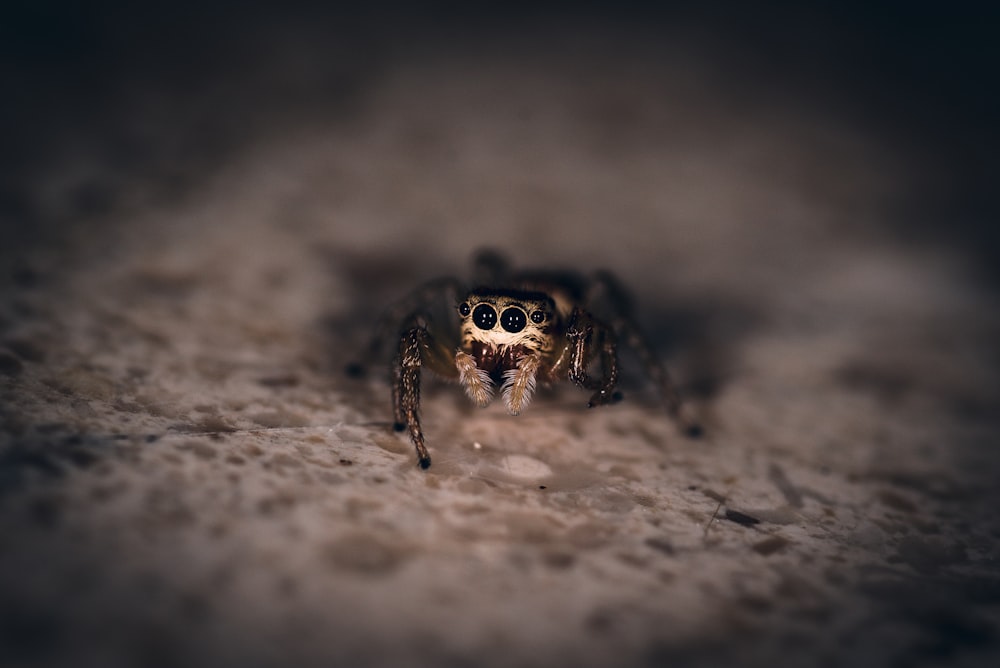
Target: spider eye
point(484, 316)
point(464, 309)
point(538, 317)
point(513, 320)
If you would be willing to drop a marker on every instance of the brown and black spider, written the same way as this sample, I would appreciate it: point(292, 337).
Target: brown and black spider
point(514, 331)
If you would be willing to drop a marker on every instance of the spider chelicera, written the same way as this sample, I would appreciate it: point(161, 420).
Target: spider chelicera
point(513, 332)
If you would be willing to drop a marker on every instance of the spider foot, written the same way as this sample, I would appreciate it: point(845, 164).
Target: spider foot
point(604, 398)
point(693, 430)
point(686, 422)
point(355, 370)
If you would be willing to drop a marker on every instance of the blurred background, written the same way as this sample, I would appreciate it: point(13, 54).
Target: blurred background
point(158, 96)
point(205, 205)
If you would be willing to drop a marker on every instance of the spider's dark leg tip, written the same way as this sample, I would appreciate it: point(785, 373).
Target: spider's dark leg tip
point(602, 398)
point(425, 462)
point(354, 369)
point(399, 426)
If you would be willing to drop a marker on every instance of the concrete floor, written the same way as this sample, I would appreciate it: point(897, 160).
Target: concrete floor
point(188, 478)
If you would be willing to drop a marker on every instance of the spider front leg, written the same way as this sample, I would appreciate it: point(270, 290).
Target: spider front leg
point(417, 348)
point(584, 332)
point(519, 383)
point(476, 382)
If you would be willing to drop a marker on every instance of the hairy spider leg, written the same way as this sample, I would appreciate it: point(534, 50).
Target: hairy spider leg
point(477, 382)
point(519, 383)
point(444, 290)
point(628, 332)
point(588, 336)
point(417, 348)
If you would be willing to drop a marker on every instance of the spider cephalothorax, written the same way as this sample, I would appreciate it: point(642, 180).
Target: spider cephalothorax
point(504, 336)
point(523, 330)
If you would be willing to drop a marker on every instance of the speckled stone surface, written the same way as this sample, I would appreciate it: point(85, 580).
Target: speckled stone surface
point(188, 478)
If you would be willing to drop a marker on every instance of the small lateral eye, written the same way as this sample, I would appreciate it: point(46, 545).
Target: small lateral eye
point(464, 309)
point(538, 317)
point(513, 320)
point(484, 316)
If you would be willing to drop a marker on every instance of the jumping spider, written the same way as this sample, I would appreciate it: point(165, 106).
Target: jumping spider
point(523, 329)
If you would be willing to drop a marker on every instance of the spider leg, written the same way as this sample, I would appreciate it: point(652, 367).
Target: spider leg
point(442, 289)
point(417, 348)
point(585, 333)
point(628, 332)
point(519, 383)
point(477, 382)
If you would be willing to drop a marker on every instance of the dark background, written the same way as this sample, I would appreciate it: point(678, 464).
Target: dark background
point(112, 105)
point(83, 78)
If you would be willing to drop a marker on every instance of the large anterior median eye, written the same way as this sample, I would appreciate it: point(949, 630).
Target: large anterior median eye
point(513, 320)
point(484, 316)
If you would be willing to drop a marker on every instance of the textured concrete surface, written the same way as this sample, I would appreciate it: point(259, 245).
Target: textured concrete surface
point(188, 478)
